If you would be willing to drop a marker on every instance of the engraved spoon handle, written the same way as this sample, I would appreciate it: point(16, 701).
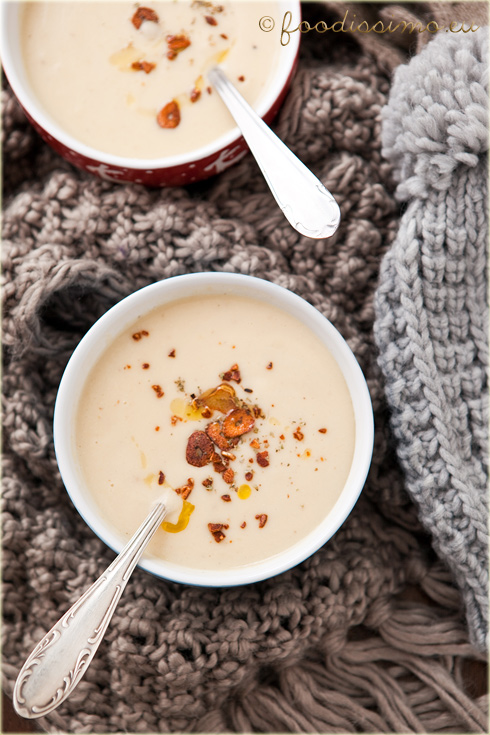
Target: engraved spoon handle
point(60, 659)
point(304, 201)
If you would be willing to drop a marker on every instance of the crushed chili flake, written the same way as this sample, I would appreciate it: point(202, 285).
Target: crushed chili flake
point(233, 374)
point(142, 14)
point(269, 366)
point(146, 66)
point(262, 519)
point(169, 115)
point(223, 35)
point(228, 476)
point(195, 94)
point(282, 437)
point(145, 365)
point(199, 449)
point(157, 428)
point(255, 444)
point(249, 476)
point(161, 478)
point(172, 353)
point(298, 434)
point(216, 530)
point(226, 498)
point(174, 419)
point(241, 78)
point(158, 390)
point(322, 431)
point(210, 20)
point(263, 458)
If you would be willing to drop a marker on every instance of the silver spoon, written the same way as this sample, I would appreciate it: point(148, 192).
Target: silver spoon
point(61, 658)
point(304, 201)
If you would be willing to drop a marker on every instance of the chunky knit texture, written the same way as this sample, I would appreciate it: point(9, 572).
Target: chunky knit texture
point(432, 316)
point(369, 634)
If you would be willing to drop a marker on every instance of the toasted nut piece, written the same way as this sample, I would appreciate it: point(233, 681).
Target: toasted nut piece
point(146, 66)
point(262, 519)
point(142, 14)
point(238, 422)
point(298, 434)
point(176, 44)
point(186, 490)
point(249, 476)
point(210, 20)
point(199, 449)
point(169, 116)
point(161, 478)
point(158, 390)
point(208, 482)
point(322, 431)
point(263, 458)
point(228, 476)
point(226, 498)
point(233, 374)
point(216, 530)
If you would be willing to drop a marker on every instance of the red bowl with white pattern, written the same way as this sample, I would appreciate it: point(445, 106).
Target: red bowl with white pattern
point(176, 170)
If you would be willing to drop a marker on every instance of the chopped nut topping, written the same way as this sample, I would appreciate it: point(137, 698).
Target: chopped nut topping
point(142, 14)
point(210, 20)
point(138, 335)
point(176, 44)
point(298, 434)
point(172, 353)
point(241, 78)
point(322, 431)
point(228, 476)
point(174, 419)
point(269, 366)
point(249, 476)
point(242, 525)
point(199, 449)
point(145, 365)
point(233, 374)
point(195, 94)
point(158, 390)
point(186, 490)
point(208, 482)
point(216, 530)
point(226, 498)
point(262, 458)
point(262, 519)
point(223, 35)
point(146, 66)
point(255, 444)
point(161, 478)
point(169, 116)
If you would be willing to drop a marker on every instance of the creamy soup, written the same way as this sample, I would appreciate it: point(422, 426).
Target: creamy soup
point(233, 404)
point(130, 79)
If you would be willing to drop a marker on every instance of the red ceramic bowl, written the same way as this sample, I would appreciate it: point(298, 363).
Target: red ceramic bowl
point(176, 170)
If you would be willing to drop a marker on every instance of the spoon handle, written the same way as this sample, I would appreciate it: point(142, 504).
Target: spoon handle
point(61, 658)
point(304, 201)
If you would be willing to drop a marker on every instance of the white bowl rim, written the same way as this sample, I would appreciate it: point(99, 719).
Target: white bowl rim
point(151, 165)
point(122, 315)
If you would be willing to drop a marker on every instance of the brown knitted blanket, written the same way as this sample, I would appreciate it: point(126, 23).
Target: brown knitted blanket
point(368, 635)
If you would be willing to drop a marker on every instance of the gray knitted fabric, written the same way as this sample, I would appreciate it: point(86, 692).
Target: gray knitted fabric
point(369, 634)
point(432, 318)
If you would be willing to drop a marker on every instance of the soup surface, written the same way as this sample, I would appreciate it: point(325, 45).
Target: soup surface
point(130, 80)
point(235, 405)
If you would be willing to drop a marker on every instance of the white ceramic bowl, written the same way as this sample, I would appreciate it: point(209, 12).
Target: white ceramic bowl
point(121, 316)
point(174, 170)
